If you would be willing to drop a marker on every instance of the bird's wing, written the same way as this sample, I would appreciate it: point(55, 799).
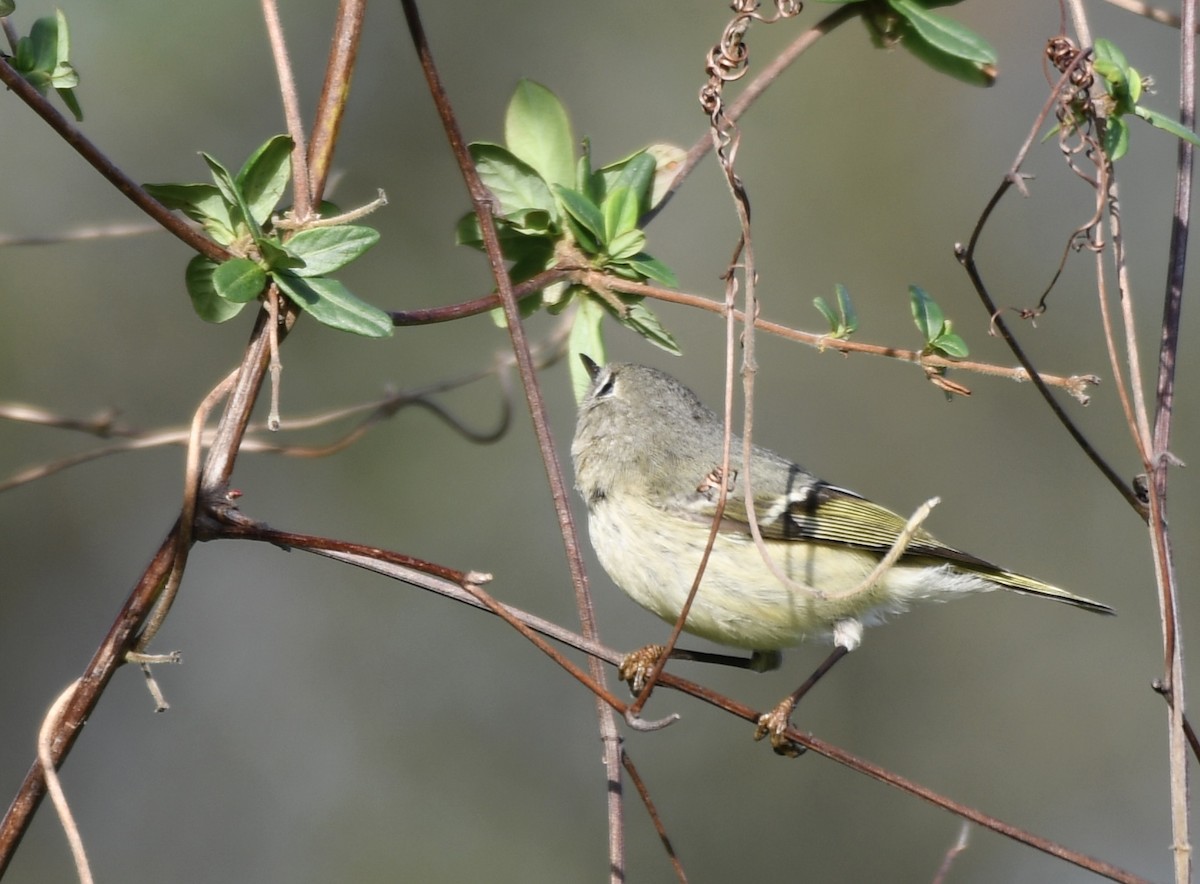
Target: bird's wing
point(828, 514)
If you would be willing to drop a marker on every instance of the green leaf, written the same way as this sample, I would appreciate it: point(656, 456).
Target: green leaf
point(620, 211)
point(1167, 124)
point(222, 179)
point(1107, 54)
point(558, 295)
point(587, 339)
point(72, 103)
point(239, 280)
point(926, 313)
point(583, 237)
point(1116, 137)
point(533, 223)
point(203, 203)
point(625, 245)
point(516, 246)
point(233, 196)
point(635, 172)
point(264, 177)
point(327, 249)
point(331, 303)
point(951, 345)
point(846, 308)
point(642, 320)
point(42, 59)
point(964, 70)
point(844, 321)
point(208, 305)
point(43, 43)
point(515, 183)
point(7, 7)
point(583, 171)
point(1135, 87)
point(945, 34)
point(538, 131)
point(63, 74)
point(653, 269)
point(583, 211)
point(24, 57)
point(276, 256)
point(830, 316)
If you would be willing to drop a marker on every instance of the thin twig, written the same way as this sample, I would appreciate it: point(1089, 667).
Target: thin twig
point(966, 257)
point(1162, 16)
point(102, 164)
point(339, 70)
point(301, 189)
point(959, 845)
point(187, 516)
point(754, 89)
point(81, 234)
point(1075, 385)
point(120, 638)
point(374, 413)
point(46, 756)
point(648, 803)
point(481, 199)
point(1164, 560)
point(104, 663)
point(449, 583)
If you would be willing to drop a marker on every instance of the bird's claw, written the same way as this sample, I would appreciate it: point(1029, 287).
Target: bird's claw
point(774, 724)
point(635, 669)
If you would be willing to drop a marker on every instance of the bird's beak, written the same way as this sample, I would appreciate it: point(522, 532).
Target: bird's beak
point(592, 368)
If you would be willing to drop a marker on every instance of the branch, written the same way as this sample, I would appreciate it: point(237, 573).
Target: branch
point(126, 185)
point(481, 198)
point(449, 583)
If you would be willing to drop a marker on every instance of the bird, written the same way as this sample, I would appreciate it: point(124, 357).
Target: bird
point(647, 455)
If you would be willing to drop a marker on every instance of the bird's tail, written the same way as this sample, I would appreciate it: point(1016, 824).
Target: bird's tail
point(1030, 586)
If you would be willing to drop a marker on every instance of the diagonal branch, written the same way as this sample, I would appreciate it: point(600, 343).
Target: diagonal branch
point(121, 181)
point(481, 198)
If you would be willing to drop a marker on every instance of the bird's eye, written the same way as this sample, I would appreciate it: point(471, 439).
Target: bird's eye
point(606, 385)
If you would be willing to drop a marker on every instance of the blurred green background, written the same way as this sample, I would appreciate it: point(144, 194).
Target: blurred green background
point(328, 724)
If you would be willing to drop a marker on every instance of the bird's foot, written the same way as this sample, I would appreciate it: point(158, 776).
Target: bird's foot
point(635, 669)
point(774, 723)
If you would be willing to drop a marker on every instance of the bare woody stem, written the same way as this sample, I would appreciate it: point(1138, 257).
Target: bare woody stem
point(123, 634)
point(122, 182)
point(481, 198)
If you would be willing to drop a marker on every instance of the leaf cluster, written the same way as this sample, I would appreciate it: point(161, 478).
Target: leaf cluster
point(938, 331)
point(42, 58)
point(554, 209)
point(1124, 86)
point(237, 212)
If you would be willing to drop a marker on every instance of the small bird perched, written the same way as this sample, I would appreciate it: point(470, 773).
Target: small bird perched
point(648, 456)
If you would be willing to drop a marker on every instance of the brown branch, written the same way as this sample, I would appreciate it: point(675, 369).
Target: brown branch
point(648, 803)
point(449, 583)
point(754, 89)
point(124, 632)
point(106, 660)
point(302, 191)
point(102, 164)
point(481, 199)
point(331, 108)
point(485, 304)
point(966, 257)
point(373, 413)
point(1075, 385)
point(1161, 544)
